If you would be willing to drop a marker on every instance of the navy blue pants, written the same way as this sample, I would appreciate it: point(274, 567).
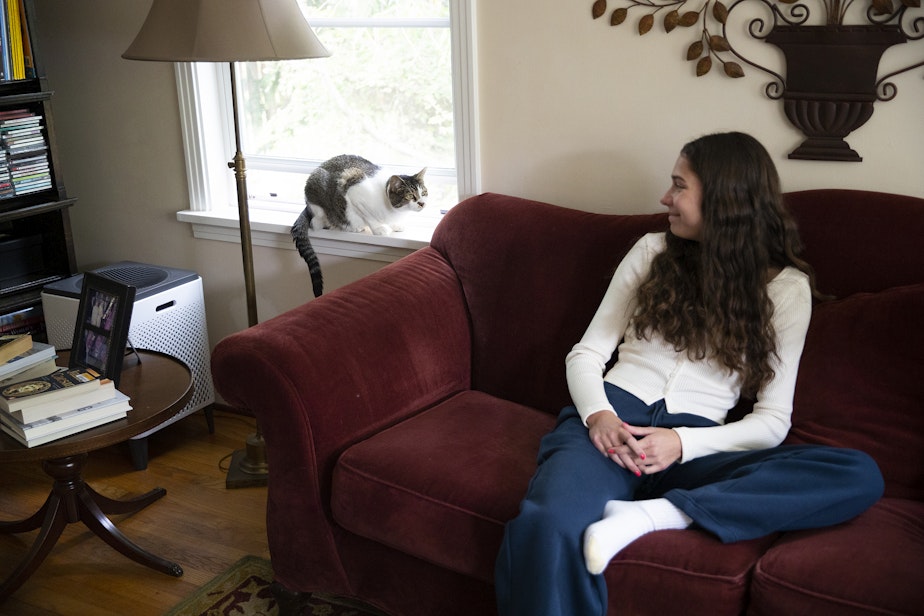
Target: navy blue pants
point(735, 496)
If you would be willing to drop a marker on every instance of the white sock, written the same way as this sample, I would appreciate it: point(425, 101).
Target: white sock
point(625, 521)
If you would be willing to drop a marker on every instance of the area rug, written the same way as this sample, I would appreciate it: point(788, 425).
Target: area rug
point(244, 590)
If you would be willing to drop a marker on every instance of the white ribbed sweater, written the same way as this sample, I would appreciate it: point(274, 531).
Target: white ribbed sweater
point(652, 370)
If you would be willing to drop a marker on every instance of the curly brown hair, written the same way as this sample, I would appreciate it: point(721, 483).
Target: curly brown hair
point(709, 297)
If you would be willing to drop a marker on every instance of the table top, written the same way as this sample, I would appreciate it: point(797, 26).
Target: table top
point(159, 386)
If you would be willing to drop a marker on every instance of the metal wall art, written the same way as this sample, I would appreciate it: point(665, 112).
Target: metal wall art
point(830, 83)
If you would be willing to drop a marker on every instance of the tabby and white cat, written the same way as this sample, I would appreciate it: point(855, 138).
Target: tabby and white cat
point(350, 193)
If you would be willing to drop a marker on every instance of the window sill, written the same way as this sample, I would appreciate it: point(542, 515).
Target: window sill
point(272, 229)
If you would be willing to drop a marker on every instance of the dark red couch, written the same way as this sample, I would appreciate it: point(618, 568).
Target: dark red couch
point(402, 415)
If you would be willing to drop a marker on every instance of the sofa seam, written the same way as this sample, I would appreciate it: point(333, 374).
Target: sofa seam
point(418, 494)
point(737, 579)
point(817, 595)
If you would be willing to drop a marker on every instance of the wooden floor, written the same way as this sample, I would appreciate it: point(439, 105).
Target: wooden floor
point(199, 524)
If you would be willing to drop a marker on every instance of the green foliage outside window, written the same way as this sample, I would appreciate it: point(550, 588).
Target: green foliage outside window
point(385, 92)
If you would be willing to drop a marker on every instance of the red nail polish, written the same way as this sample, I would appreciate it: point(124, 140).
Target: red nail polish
point(638, 473)
point(611, 450)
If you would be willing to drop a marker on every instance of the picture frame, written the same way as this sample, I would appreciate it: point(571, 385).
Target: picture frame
point(101, 331)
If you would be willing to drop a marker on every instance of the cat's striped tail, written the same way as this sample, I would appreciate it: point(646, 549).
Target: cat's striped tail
point(300, 229)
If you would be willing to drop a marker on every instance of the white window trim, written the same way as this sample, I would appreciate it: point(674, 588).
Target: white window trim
point(203, 90)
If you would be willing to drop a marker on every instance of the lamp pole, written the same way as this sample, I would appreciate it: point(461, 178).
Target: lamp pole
point(248, 467)
point(240, 176)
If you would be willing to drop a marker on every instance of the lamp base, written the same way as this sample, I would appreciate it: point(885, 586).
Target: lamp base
point(248, 466)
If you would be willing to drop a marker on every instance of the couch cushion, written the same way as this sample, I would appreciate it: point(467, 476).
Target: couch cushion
point(687, 568)
point(872, 564)
point(441, 485)
point(861, 383)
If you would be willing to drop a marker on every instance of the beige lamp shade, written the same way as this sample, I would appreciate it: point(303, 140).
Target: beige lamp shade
point(225, 31)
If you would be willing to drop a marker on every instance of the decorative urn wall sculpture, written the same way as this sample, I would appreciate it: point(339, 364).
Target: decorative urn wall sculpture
point(830, 83)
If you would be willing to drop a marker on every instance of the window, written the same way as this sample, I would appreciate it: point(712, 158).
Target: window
point(398, 89)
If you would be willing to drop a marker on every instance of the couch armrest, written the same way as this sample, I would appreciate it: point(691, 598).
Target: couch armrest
point(333, 371)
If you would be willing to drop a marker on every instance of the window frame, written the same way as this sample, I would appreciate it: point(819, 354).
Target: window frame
point(204, 94)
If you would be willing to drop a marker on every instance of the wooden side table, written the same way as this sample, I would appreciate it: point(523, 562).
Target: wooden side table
point(159, 386)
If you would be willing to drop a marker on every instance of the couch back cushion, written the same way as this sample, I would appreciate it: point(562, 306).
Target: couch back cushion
point(860, 241)
point(861, 383)
point(533, 275)
point(861, 379)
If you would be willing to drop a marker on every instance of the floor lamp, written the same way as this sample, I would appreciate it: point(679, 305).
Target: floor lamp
point(230, 31)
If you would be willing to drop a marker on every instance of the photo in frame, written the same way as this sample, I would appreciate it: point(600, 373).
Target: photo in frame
point(101, 331)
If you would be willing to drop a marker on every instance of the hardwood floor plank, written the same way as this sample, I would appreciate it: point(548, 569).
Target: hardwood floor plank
point(199, 524)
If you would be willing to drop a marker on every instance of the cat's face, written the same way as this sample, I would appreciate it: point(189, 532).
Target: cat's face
point(407, 191)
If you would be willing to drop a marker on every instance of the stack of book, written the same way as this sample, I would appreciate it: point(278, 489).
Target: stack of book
point(11, 346)
point(15, 42)
point(21, 358)
point(26, 169)
point(27, 320)
point(44, 408)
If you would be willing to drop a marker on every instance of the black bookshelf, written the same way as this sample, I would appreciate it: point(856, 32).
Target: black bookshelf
point(36, 245)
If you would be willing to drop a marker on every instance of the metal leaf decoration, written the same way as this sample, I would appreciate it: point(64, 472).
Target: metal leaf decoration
point(695, 50)
point(718, 43)
point(703, 66)
point(671, 20)
point(689, 19)
point(733, 70)
point(712, 45)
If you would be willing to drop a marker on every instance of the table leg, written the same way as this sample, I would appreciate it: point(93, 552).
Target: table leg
point(32, 522)
point(111, 506)
point(96, 520)
point(55, 520)
point(72, 500)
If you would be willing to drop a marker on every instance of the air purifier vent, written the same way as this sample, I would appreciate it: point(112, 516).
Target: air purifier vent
point(139, 276)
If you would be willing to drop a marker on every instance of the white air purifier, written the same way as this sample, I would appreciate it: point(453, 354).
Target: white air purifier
point(168, 315)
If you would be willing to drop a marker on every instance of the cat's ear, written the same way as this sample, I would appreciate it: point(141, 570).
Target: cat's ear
point(420, 176)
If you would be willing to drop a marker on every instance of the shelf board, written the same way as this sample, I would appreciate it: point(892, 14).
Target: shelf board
point(38, 208)
point(27, 283)
point(22, 92)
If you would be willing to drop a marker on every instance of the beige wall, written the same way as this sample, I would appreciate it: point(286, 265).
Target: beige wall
point(572, 111)
point(580, 113)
